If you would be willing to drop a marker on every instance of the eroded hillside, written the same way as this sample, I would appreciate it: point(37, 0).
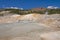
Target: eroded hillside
point(30, 26)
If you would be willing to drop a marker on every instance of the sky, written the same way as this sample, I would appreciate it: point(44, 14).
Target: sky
point(28, 4)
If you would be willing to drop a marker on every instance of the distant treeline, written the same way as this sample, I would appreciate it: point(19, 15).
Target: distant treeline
point(23, 12)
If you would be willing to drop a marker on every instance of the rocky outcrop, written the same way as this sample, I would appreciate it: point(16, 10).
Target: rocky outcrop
point(52, 21)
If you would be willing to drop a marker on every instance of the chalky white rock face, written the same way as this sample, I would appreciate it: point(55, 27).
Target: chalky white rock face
point(31, 17)
point(9, 19)
point(51, 36)
point(52, 21)
point(15, 15)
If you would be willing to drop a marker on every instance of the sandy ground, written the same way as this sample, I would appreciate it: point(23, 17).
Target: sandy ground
point(12, 30)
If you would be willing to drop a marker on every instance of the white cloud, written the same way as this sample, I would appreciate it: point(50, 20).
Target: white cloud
point(52, 7)
point(56, 7)
point(21, 8)
point(15, 8)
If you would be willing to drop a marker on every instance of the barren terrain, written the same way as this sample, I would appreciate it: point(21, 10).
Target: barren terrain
point(30, 27)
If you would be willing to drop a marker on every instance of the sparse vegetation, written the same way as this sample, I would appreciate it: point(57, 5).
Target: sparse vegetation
point(54, 11)
point(23, 12)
